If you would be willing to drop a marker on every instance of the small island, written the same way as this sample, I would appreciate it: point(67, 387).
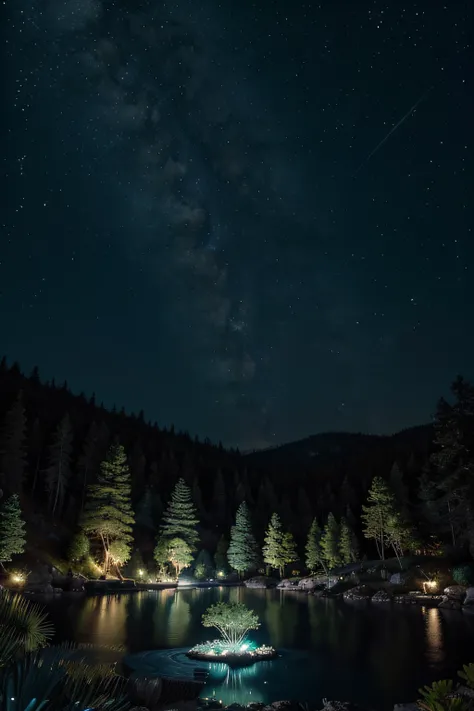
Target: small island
point(233, 620)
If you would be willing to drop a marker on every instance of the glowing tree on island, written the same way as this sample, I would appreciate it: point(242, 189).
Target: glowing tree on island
point(233, 620)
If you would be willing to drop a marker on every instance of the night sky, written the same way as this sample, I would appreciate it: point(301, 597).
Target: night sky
point(193, 222)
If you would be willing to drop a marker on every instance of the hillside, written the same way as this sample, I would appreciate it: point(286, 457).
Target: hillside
point(300, 480)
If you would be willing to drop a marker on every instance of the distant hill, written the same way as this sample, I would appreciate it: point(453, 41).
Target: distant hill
point(342, 451)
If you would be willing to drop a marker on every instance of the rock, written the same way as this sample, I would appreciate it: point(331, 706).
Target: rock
point(382, 596)
point(406, 707)
point(450, 603)
point(283, 706)
point(260, 581)
point(404, 577)
point(317, 581)
point(287, 585)
point(455, 592)
point(469, 599)
point(339, 706)
point(361, 592)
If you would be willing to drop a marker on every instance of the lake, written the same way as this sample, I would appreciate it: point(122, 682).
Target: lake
point(369, 654)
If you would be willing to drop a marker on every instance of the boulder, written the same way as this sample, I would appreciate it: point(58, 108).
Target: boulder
point(339, 706)
point(382, 596)
point(406, 578)
point(450, 603)
point(406, 707)
point(260, 581)
point(455, 592)
point(361, 592)
point(317, 581)
point(288, 585)
point(469, 599)
point(283, 706)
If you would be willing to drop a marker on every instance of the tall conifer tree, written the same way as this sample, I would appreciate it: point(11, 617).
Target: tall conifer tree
point(12, 529)
point(108, 514)
point(180, 519)
point(314, 554)
point(273, 545)
point(242, 553)
point(330, 543)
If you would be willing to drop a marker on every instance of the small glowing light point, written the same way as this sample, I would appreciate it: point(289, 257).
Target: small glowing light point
point(244, 647)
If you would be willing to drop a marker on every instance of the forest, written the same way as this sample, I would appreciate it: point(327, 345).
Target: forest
point(109, 492)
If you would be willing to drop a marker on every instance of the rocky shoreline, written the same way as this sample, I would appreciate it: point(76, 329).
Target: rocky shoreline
point(462, 692)
point(453, 597)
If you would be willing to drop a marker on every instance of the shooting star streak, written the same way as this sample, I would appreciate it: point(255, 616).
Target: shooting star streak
point(392, 130)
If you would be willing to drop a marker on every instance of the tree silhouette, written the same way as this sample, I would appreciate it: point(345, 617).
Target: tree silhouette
point(58, 470)
point(12, 447)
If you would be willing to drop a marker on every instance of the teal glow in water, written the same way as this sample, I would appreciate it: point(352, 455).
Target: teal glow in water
point(372, 655)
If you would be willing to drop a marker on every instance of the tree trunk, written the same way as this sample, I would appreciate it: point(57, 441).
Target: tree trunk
point(106, 554)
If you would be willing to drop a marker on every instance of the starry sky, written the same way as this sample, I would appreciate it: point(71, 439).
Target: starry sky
point(251, 219)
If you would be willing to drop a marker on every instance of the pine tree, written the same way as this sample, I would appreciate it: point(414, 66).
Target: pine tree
point(12, 447)
point(12, 530)
point(180, 519)
point(273, 553)
point(314, 554)
point(348, 548)
point(380, 507)
point(449, 477)
point(108, 514)
point(330, 543)
point(289, 552)
point(58, 471)
point(242, 553)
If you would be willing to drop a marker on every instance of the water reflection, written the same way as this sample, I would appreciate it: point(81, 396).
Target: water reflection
point(375, 656)
point(238, 686)
point(179, 618)
point(434, 634)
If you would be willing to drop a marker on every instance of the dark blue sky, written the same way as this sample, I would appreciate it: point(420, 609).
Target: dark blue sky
point(190, 224)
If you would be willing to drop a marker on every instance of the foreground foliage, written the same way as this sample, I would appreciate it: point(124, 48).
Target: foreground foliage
point(24, 627)
point(35, 677)
point(12, 529)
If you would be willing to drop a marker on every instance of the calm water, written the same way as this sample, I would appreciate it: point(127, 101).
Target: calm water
point(373, 655)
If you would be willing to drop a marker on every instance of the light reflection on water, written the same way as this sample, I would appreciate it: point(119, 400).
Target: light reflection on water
point(373, 655)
